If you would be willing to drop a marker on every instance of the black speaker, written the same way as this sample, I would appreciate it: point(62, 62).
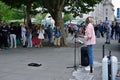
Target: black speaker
point(84, 56)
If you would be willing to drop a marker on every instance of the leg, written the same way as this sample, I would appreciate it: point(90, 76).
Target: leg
point(90, 55)
point(55, 41)
point(23, 40)
point(0, 42)
point(14, 38)
point(59, 41)
point(31, 41)
point(6, 41)
point(11, 40)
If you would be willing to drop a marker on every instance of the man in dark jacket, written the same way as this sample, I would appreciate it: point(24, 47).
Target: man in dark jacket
point(13, 31)
point(5, 33)
point(1, 40)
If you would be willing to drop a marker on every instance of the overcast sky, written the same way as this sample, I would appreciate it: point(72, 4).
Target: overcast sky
point(116, 4)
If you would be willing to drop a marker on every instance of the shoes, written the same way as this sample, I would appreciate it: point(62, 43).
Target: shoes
point(88, 68)
point(10, 47)
point(107, 42)
point(15, 47)
point(24, 46)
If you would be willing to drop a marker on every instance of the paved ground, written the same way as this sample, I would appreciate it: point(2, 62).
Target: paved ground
point(14, 62)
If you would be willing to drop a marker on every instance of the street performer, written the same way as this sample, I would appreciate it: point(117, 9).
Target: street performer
point(90, 40)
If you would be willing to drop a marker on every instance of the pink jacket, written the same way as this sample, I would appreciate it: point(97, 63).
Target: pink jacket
point(90, 37)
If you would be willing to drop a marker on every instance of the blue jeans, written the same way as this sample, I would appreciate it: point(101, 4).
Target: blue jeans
point(29, 41)
point(90, 54)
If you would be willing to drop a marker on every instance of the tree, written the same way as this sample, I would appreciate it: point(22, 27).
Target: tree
point(55, 8)
point(29, 5)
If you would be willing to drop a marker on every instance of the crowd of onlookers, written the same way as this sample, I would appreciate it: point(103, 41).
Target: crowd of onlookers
point(104, 29)
point(111, 31)
point(12, 35)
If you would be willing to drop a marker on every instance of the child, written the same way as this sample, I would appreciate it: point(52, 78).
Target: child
point(41, 35)
point(57, 35)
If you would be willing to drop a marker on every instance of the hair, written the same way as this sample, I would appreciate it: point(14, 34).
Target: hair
point(90, 19)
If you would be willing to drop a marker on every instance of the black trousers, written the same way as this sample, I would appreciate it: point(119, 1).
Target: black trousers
point(1, 41)
point(5, 41)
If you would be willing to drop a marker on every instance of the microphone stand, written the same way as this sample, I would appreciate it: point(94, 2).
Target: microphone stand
point(75, 46)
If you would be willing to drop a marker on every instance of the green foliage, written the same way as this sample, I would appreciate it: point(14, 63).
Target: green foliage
point(67, 17)
point(7, 13)
point(4, 11)
point(39, 17)
point(17, 14)
point(75, 7)
point(80, 6)
point(18, 3)
point(115, 19)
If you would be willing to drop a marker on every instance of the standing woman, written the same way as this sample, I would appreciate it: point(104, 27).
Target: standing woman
point(90, 40)
point(23, 34)
point(41, 35)
point(29, 37)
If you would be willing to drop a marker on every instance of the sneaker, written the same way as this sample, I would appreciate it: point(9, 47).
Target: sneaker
point(15, 47)
point(88, 68)
point(107, 42)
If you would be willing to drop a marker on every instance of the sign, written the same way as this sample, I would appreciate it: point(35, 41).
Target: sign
point(118, 20)
point(118, 12)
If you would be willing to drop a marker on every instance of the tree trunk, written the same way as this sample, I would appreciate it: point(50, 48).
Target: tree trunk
point(57, 16)
point(28, 18)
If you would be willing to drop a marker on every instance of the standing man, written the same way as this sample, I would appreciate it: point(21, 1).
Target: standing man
point(112, 30)
point(5, 34)
point(90, 40)
point(101, 29)
point(49, 33)
point(108, 33)
point(13, 32)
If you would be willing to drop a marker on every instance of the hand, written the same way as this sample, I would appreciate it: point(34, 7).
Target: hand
point(5, 30)
point(81, 36)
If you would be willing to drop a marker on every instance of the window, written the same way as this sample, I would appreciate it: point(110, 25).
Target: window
point(106, 9)
point(106, 13)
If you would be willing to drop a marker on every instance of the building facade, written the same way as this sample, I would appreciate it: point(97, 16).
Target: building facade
point(103, 11)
